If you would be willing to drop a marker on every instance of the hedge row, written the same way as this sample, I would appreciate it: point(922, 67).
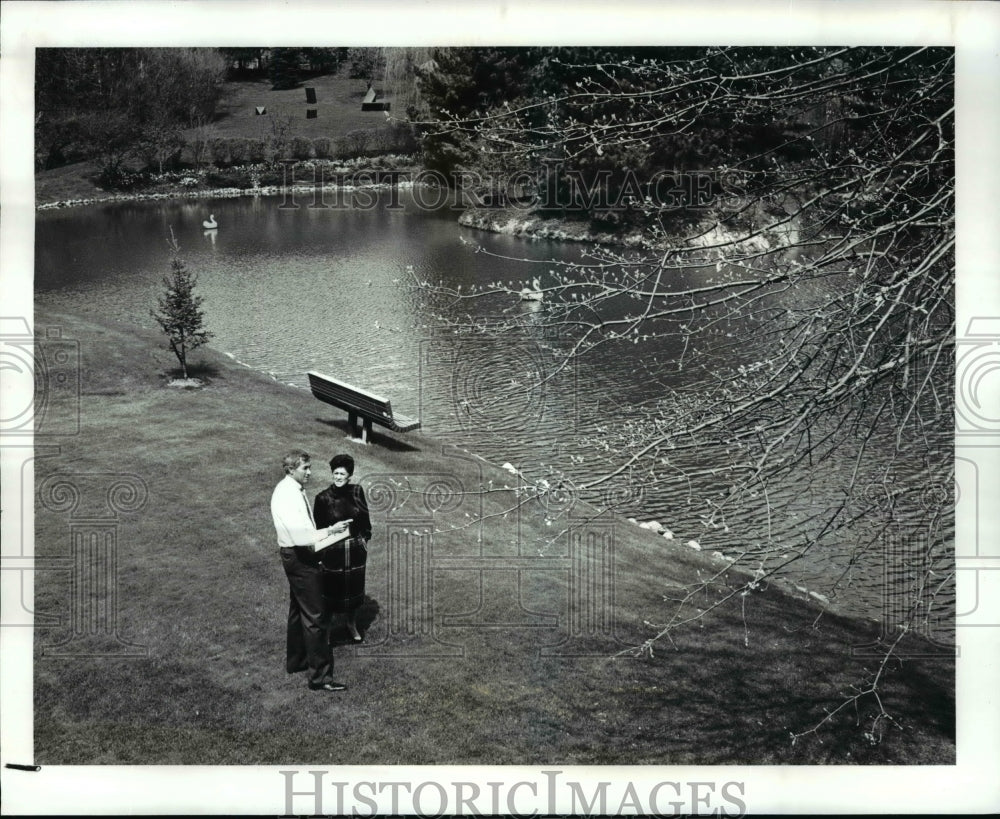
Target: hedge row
point(224, 152)
point(277, 175)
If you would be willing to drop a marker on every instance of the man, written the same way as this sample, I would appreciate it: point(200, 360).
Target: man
point(307, 645)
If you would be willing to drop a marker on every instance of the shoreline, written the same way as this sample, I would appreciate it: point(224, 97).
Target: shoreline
point(191, 183)
point(705, 235)
point(520, 222)
point(212, 193)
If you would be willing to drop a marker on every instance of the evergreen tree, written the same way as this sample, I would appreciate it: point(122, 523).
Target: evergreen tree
point(284, 68)
point(180, 313)
point(460, 87)
point(365, 63)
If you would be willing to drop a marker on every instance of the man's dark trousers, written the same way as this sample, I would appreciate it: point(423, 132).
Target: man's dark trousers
point(308, 619)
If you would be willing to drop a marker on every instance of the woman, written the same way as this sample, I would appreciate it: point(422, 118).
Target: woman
point(344, 562)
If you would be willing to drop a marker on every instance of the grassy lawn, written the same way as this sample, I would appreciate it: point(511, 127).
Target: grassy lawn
point(338, 108)
point(480, 648)
point(67, 183)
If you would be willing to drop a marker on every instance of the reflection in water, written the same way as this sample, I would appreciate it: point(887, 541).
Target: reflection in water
point(288, 290)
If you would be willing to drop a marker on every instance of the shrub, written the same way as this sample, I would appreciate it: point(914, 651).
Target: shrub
point(229, 178)
point(403, 138)
point(277, 143)
point(239, 150)
point(394, 139)
point(256, 150)
point(324, 148)
point(218, 151)
point(273, 175)
point(301, 148)
point(200, 146)
point(116, 178)
point(355, 143)
point(379, 142)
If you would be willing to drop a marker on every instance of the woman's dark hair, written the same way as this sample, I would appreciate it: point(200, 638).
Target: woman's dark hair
point(345, 461)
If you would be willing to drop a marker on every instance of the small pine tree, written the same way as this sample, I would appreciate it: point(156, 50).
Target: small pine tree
point(284, 68)
point(179, 312)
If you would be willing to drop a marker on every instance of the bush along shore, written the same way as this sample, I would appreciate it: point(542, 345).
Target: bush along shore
point(76, 185)
point(198, 629)
point(754, 230)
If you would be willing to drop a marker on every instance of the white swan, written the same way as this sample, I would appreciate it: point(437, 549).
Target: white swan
point(211, 224)
point(535, 294)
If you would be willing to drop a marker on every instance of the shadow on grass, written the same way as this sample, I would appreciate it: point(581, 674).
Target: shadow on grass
point(365, 616)
point(743, 704)
point(376, 437)
point(204, 371)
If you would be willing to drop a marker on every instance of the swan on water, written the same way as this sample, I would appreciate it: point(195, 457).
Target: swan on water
point(535, 294)
point(211, 224)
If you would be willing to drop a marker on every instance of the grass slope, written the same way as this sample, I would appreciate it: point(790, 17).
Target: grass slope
point(338, 108)
point(469, 674)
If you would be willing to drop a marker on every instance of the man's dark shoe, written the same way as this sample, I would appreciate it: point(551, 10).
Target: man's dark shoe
point(330, 686)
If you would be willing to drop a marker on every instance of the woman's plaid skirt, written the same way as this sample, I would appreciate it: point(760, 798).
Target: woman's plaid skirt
point(344, 574)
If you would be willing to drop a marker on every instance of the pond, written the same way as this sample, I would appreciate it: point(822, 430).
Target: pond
point(333, 289)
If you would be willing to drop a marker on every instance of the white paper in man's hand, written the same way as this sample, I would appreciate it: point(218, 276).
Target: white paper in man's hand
point(331, 539)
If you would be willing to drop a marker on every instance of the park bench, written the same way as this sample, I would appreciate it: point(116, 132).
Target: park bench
point(359, 403)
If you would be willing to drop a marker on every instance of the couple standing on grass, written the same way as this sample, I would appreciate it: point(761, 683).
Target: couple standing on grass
point(324, 548)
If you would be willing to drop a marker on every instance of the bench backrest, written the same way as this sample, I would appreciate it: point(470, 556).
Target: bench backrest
point(347, 397)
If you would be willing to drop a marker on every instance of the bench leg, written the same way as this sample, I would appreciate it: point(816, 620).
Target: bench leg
point(366, 429)
point(352, 420)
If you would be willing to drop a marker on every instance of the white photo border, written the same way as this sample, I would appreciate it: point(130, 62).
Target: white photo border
point(970, 786)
